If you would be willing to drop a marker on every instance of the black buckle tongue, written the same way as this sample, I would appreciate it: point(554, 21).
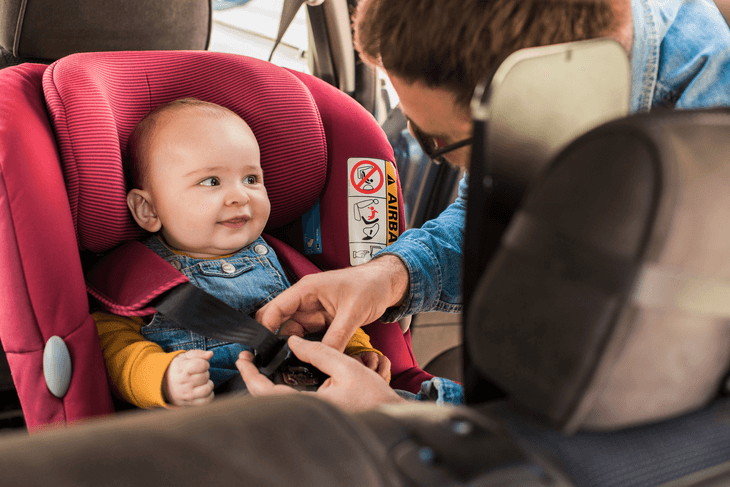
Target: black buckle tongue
point(283, 367)
point(268, 364)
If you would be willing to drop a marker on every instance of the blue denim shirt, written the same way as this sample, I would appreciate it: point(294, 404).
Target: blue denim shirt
point(680, 56)
point(246, 280)
point(680, 59)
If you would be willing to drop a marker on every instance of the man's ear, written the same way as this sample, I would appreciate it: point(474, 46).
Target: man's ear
point(140, 204)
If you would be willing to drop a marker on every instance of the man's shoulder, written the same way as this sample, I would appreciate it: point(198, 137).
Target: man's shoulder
point(694, 48)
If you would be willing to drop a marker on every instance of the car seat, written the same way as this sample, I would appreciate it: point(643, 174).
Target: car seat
point(603, 313)
point(63, 136)
point(43, 31)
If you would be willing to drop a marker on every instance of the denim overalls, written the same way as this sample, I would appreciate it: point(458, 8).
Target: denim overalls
point(246, 280)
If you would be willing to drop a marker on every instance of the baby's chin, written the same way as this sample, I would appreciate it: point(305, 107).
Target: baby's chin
point(210, 251)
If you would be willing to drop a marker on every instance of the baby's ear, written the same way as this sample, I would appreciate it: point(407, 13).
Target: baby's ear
point(140, 204)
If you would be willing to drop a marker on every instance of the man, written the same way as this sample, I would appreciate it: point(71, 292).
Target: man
point(434, 54)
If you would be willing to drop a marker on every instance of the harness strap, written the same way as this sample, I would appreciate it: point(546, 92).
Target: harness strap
point(133, 280)
point(288, 12)
point(202, 313)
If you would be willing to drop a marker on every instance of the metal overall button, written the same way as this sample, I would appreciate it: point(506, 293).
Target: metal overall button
point(261, 249)
point(176, 264)
point(228, 268)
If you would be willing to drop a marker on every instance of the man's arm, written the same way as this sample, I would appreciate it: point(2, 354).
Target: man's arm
point(432, 255)
point(419, 272)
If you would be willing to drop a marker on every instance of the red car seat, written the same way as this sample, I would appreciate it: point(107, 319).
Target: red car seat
point(63, 135)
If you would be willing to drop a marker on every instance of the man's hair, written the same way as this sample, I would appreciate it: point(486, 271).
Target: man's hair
point(454, 44)
point(138, 145)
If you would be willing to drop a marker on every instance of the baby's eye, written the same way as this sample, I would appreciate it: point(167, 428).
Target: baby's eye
point(250, 179)
point(213, 181)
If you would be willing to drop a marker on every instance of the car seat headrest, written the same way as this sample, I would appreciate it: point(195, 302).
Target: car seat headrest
point(49, 30)
point(607, 303)
point(96, 99)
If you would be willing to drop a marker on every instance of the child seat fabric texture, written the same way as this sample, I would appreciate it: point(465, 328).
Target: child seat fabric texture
point(306, 130)
point(42, 289)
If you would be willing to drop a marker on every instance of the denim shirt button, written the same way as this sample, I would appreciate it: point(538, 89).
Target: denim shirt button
point(176, 264)
point(228, 268)
point(261, 249)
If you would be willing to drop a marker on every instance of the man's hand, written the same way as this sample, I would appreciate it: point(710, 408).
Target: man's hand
point(187, 380)
point(376, 362)
point(350, 385)
point(344, 299)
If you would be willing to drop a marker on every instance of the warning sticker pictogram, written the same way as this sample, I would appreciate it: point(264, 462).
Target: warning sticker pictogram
point(366, 177)
point(373, 208)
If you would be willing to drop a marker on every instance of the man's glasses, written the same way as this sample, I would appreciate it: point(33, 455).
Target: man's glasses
point(429, 146)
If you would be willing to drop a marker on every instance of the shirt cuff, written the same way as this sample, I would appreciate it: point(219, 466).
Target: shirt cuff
point(442, 391)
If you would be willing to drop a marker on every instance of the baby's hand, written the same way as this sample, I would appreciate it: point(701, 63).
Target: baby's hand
point(187, 380)
point(378, 363)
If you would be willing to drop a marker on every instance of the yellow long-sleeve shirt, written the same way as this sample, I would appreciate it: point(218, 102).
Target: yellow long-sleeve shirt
point(137, 366)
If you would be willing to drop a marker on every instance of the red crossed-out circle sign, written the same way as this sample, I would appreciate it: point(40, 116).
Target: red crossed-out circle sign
point(359, 183)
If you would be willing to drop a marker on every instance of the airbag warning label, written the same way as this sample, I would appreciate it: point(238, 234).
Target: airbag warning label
point(372, 207)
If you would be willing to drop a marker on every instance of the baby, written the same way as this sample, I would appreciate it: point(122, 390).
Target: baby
point(199, 188)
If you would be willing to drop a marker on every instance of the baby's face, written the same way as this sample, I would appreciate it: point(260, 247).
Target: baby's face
point(206, 183)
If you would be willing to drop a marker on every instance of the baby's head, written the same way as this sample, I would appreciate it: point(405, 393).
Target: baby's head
point(197, 178)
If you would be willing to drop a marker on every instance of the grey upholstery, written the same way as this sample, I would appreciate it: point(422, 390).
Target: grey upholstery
point(448, 364)
point(46, 30)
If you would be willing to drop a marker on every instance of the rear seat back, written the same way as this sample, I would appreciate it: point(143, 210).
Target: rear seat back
point(47, 30)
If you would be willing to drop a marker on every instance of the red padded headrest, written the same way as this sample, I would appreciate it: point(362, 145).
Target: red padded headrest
point(96, 99)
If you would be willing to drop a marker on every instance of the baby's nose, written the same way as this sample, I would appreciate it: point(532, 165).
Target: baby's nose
point(238, 195)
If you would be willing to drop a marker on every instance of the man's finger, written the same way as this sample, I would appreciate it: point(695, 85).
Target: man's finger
point(370, 360)
point(342, 328)
point(271, 316)
point(291, 327)
point(277, 311)
point(256, 383)
point(313, 320)
point(325, 358)
point(336, 337)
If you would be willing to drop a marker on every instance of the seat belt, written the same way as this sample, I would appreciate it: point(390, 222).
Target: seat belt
point(133, 280)
point(204, 314)
point(288, 12)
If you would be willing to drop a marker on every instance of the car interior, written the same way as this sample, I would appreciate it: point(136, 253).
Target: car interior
point(572, 206)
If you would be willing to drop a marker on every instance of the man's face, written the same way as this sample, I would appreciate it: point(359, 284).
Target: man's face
point(434, 112)
point(206, 183)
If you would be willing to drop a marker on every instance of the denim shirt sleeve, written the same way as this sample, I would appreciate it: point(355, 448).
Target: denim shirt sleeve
point(432, 255)
point(442, 391)
point(680, 55)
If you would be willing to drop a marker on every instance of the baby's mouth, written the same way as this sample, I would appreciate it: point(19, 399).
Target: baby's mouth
point(235, 222)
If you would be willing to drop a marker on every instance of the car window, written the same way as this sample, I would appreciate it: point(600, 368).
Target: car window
point(249, 27)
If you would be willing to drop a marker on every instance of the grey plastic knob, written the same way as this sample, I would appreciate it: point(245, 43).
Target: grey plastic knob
point(57, 366)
